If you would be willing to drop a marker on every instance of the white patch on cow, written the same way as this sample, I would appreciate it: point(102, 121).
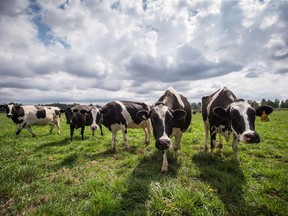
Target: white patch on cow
point(94, 112)
point(212, 100)
point(242, 107)
point(128, 118)
point(177, 95)
point(10, 106)
point(161, 111)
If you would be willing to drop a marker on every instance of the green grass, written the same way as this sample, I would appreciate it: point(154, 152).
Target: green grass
point(49, 175)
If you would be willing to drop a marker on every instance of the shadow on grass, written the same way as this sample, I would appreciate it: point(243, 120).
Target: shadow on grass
point(147, 171)
point(226, 179)
point(63, 142)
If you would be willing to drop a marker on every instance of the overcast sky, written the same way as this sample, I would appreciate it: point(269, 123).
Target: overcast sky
point(94, 51)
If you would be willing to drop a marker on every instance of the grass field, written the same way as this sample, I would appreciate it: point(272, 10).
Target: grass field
point(49, 175)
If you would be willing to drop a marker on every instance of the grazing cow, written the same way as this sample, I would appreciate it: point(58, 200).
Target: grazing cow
point(76, 119)
point(171, 116)
point(224, 114)
point(120, 115)
point(25, 116)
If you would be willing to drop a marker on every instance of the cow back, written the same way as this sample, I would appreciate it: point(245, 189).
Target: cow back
point(174, 101)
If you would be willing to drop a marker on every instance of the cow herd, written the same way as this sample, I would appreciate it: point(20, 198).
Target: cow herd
point(170, 116)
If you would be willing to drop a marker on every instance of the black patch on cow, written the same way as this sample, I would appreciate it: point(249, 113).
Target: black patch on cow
point(57, 112)
point(251, 113)
point(17, 112)
point(237, 121)
point(114, 115)
point(133, 108)
point(41, 113)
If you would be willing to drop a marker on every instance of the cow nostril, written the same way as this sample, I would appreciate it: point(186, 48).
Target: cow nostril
point(252, 138)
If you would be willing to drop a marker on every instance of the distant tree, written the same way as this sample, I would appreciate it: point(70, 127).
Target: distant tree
point(263, 102)
point(277, 103)
point(254, 104)
point(284, 104)
point(195, 106)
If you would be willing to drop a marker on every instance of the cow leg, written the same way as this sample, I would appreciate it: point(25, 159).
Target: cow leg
point(220, 145)
point(147, 132)
point(147, 135)
point(125, 137)
point(101, 130)
point(213, 141)
point(206, 137)
point(176, 145)
point(30, 131)
point(58, 126)
point(82, 132)
point(235, 149)
point(165, 164)
point(71, 131)
point(114, 133)
point(20, 127)
point(51, 128)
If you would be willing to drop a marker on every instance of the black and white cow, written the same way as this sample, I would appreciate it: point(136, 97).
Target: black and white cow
point(171, 116)
point(25, 116)
point(76, 117)
point(120, 115)
point(224, 114)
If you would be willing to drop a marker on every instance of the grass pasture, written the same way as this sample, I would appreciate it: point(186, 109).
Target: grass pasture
point(49, 175)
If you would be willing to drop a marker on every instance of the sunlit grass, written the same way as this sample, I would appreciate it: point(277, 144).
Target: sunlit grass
point(49, 175)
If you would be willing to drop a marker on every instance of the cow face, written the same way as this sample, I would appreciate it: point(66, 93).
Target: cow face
point(69, 115)
point(96, 114)
point(17, 114)
point(162, 120)
point(9, 110)
point(242, 120)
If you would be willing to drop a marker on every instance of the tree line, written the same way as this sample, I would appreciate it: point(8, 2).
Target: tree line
point(195, 106)
point(275, 104)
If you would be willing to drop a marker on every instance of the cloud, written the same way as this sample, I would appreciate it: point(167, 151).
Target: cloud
point(103, 50)
point(185, 63)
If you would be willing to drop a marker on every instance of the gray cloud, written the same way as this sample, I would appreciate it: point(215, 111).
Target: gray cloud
point(97, 50)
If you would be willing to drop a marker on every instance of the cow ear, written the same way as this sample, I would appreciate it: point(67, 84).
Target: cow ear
point(178, 114)
point(263, 112)
point(84, 112)
point(220, 112)
point(267, 109)
point(104, 111)
point(143, 114)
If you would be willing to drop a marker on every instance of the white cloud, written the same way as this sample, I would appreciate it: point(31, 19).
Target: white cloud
point(92, 50)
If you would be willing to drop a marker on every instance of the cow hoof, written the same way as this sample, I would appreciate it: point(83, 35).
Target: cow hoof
point(147, 142)
point(165, 170)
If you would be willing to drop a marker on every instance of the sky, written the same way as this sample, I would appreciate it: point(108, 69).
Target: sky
point(97, 51)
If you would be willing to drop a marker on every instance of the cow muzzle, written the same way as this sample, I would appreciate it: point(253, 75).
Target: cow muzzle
point(9, 115)
point(251, 138)
point(163, 144)
point(94, 127)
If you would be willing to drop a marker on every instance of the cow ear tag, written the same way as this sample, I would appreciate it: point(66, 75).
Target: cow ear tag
point(264, 117)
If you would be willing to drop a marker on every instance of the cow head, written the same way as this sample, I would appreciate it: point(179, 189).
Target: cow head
point(242, 119)
point(96, 117)
point(69, 114)
point(9, 110)
point(17, 114)
point(162, 120)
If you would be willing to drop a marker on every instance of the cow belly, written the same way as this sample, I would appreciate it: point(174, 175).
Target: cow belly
point(40, 122)
point(134, 125)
